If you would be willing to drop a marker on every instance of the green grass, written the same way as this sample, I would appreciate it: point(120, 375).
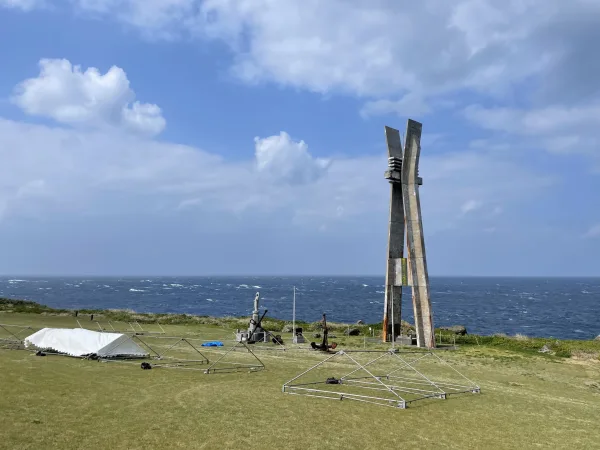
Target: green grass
point(530, 345)
point(528, 400)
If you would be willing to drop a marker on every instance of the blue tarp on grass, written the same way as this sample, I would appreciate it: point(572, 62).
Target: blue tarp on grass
point(213, 344)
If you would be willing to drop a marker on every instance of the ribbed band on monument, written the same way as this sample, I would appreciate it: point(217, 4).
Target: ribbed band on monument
point(395, 163)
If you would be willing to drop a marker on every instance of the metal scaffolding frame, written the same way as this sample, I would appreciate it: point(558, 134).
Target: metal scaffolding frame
point(14, 340)
point(155, 357)
point(229, 366)
point(161, 359)
point(414, 388)
point(139, 330)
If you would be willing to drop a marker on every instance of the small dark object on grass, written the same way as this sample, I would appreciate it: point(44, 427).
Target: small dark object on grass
point(352, 332)
point(92, 317)
point(316, 346)
point(332, 380)
point(146, 366)
point(317, 335)
point(40, 353)
point(277, 340)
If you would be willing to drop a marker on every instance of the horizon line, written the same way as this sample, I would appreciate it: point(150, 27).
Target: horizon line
point(274, 276)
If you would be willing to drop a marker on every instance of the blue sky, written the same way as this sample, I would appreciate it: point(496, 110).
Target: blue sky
point(246, 137)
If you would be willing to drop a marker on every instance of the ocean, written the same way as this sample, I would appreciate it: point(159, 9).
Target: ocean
point(565, 308)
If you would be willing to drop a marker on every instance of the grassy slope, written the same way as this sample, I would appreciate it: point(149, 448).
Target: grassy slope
point(527, 401)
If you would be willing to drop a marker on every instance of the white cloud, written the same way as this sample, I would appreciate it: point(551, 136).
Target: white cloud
point(557, 129)
point(156, 19)
point(406, 59)
point(24, 5)
point(379, 48)
point(285, 160)
point(51, 171)
point(593, 232)
point(470, 205)
point(67, 94)
point(555, 119)
point(384, 48)
point(459, 183)
point(411, 105)
point(143, 117)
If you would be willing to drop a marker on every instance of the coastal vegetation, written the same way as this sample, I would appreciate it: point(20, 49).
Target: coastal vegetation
point(452, 335)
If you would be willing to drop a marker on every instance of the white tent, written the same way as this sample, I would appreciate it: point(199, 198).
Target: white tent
point(81, 342)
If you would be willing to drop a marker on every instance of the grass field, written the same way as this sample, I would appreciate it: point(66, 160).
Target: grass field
point(527, 400)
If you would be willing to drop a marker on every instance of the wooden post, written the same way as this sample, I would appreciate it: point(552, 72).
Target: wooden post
point(417, 261)
point(395, 248)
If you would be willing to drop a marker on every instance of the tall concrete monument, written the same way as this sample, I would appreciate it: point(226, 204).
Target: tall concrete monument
point(405, 224)
point(393, 287)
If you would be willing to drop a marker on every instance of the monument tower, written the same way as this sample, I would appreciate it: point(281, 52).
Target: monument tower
point(405, 224)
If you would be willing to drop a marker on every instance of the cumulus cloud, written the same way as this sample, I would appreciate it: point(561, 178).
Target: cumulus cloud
point(48, 171)
point(68, 95)
point(156, 19)
point(495, 52)
point(158, 200)
point(371, 48)
point(283, 159)
point(407, 59)
point(378, 48)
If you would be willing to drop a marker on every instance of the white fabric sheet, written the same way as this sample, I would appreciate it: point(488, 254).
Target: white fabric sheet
point(80, 342)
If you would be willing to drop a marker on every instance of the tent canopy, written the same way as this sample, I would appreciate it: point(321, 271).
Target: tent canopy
point(81, 342)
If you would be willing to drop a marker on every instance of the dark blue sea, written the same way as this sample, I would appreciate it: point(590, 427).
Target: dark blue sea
point(566, 308)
